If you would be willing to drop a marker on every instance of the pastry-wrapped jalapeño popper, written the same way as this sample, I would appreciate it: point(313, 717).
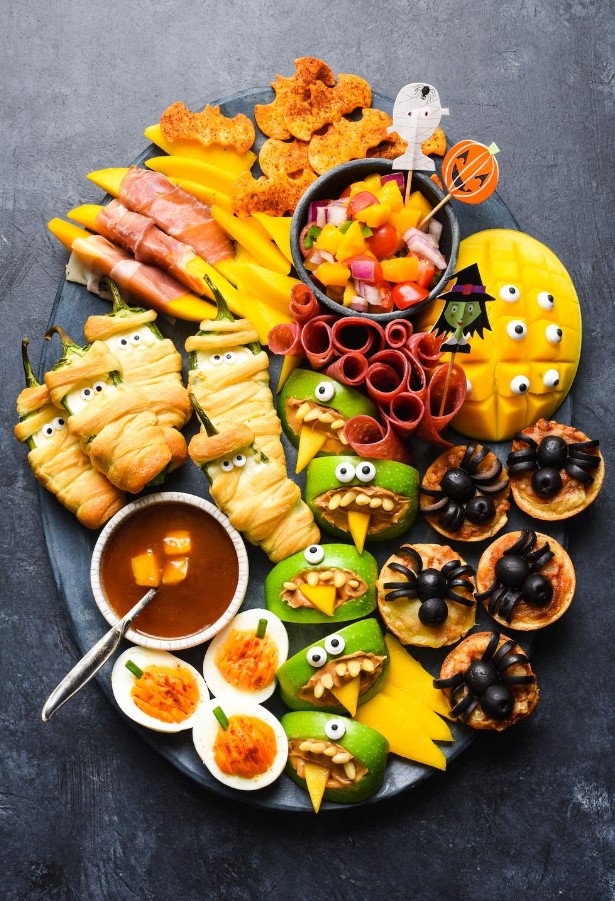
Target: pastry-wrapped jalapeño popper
point(229, 376)
point(113, 420)
point(147, 359)
point(56, 457)
point(252, 489)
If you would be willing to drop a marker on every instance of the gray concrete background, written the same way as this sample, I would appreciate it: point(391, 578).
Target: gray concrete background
point(87, 810)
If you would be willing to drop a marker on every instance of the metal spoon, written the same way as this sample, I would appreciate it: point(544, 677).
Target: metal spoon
point(95, 658)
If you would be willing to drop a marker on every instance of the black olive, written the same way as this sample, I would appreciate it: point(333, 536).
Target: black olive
point(537, 590)
point(511, 570)
point(430, 584)
point(480, 510)
point(433, 612)
point(458, 485)
point(553, 451)
point(547, 482)
point(498, 702)
point(479, 676)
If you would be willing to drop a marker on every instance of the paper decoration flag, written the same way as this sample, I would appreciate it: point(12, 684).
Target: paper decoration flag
point(470, 171)
point(416, 115)
point(464, 313)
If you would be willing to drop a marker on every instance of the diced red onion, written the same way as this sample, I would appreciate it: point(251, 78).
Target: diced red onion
point(359, 305)
point(423, 245)
point(363, 270)
point(316, 256)
point(336, 213)
point(399, 177)
point(315, 206)
point(370, 293)
point(435, 230)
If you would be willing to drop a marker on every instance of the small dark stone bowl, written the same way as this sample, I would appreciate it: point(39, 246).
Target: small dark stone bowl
point(330, 185)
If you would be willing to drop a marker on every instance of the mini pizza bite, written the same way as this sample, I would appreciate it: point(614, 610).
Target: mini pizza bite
point(489, 682)
point(555, 470)
point(525, 580)
point(464, 493)
point(426, 595)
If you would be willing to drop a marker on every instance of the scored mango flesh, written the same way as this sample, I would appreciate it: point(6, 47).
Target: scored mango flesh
point(514, 381)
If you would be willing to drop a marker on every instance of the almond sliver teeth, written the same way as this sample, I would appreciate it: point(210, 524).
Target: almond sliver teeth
point(347, 499)
point(375, 502)
point(331, 751)
point(350, 770)
point(327, 417)
point(362, 500)
point(305, 746)
point(290, 586)
point(341, 669)
point(338, 424)
point(319, 690)
point(354, 583)
point(318, 747)
point(368, 665)
point(312, 578)
point(342, 757)
point(354, 668)
point(303, 410)
point(339, 579)
point(327, 680)
point(387, 504)
point(335, 501)
point(342, 438)
point(326, 575)
point(312, 415)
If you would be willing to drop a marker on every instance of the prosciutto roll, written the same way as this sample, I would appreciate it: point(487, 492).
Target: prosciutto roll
point(368, 438)
point(176, 212)
point(354, 333)
point(432, 422)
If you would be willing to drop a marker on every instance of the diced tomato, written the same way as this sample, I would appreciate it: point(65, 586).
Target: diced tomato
point(406, 294)
point(426, 271)
point(384, 242)
point(360, 201)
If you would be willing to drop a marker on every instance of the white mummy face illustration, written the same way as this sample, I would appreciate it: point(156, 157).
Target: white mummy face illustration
point(416, 115)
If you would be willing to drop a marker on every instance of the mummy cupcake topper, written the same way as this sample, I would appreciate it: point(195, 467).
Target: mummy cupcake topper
point(416, 115)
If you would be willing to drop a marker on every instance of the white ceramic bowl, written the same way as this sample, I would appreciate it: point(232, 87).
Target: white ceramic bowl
point(189, 641)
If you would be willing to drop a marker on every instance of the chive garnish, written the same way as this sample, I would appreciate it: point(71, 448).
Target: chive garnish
point(261, 628)
point(221, 716)
point(134, 669)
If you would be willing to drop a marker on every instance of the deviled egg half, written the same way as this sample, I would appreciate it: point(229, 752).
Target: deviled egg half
point(241, 743)
point(242, 660)
point(157, 689)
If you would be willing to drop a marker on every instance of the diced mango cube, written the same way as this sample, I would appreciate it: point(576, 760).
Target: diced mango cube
point(418, 202)
point(352, 243)
point(177, 542)
point(400, 269)
point(375, 215)
point(145, 569)
point(329, 239)
point(332, 274)
point(357, 187)
point(407, 218)
point(175, 570)
point(373, 182)
point(390, 193)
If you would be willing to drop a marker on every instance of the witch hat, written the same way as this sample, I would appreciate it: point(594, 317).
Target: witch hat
point(469, 285)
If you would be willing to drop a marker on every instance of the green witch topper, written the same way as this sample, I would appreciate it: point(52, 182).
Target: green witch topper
point(464, 313)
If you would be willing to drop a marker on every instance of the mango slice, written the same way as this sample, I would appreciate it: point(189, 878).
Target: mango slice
point(175, 571)
point(321, 596)
point(348, 694)
point(405, 736)
point(278, 228)
point(204, 193)
point(417, 710)
point(407, 674)
point(310, 442)
point(242, 231)
point(177, 543)
point(214, 155)
point(289, 364)
point(145, 569)
point(358, 526)
point(194, 170)
point(316, 778)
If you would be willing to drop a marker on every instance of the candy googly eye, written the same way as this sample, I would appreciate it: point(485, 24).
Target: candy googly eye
point(324, 391)
point(335, 729)
point(344, 472)
point(520, 385)
point(315, 553)
point(551, 378)
point(546, 300)
point(230, 357)
point(136, 338)
point(366, 472)
point(215, 359)
point(510, 293)
point(554, 334)
point(517, 330)
point(123, 342)
point(87, 393)
point(334, 644)
point(48, 430)
point(99, 387)
point(239, 460)
point(316, 657)
point(226, 465)
point(58, 423)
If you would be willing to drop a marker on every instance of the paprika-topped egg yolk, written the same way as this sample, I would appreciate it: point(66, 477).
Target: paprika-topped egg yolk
point(247, 748)
point(246, 661)
point(169, 694)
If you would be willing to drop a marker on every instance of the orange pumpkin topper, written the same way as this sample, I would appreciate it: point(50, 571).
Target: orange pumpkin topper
point(470, 171)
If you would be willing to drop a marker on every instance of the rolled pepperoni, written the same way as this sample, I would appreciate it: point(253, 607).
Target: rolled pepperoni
point(405, 413)
point(355, 333)
point(417, 377)
point(397, 333)
point(368, 438)
point(388, 375)
point(425, 347)
point(432, 422)
point(350, 369)
point(285, 338)
point(317, 341)
point(303, 305)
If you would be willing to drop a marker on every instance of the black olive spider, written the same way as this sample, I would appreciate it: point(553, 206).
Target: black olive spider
point(517, 577)
point(485, 682)
point(550, 456)
point(465, 492)
point(433, 587)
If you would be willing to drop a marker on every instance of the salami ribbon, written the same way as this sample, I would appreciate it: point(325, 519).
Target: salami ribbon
point(354, 333)
point(351, 369)
point(317, 341)
point(388, 375)
point(285, 338)
point(397, 333)
point(425, 348)
point(303, 305)
point(432, 424)
point(368, 438)
point(405, 413)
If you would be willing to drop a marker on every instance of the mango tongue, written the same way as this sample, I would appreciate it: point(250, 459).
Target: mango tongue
point(291, 361)
point(348, 694)
point(358, 525)
point(310, 442)
point(321, 596)
point(316, 778)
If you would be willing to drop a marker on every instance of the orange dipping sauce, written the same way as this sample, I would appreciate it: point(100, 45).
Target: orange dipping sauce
point(189, 606)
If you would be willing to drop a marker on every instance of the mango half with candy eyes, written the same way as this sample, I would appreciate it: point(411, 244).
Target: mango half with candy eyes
point(367, 499)
point(334, 757)
point(329, 583)
point(314, 409)
point(336, 673)
point(523, 368)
